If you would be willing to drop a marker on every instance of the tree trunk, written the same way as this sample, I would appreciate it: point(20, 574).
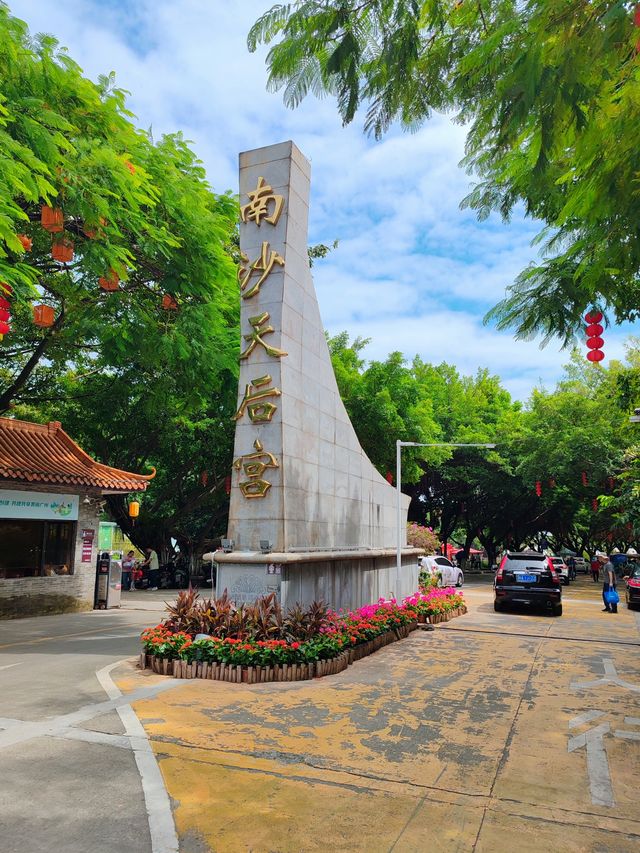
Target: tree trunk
point(7, 396)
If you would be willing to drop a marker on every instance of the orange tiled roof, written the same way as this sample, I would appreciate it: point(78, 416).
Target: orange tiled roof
point(44, 453)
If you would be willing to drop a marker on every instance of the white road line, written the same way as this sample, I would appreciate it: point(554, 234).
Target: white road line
point(9, 665)
point(103, 637)
point(585, 718)
point(597, 764)
point(161, 826)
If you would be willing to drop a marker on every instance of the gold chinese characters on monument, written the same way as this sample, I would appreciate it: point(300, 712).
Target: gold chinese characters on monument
point(254, 465)
point(263, 264)
point(263, 206)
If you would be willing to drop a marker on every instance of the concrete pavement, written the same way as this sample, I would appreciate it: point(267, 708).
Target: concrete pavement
point(69, 781)
point(494, 732)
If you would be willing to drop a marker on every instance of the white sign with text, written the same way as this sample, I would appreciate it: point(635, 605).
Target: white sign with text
point(38, 505)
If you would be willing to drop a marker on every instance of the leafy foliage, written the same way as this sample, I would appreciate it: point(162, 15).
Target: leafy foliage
point(549, 92)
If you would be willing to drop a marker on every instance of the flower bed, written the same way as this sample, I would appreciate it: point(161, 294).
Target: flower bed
point(326, 645)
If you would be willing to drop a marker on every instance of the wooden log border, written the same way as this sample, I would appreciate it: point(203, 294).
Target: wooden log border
point(285, 672)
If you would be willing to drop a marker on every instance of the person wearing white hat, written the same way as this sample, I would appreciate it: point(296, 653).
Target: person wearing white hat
point(632, 554)
point(609, 584)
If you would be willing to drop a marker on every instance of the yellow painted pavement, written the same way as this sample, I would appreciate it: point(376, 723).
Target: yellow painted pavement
point(451, 740)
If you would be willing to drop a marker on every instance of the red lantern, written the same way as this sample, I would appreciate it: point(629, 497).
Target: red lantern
point(169, 303)
point(594, 329)
point(109, 282)
point(27, 242)
point(538, 488)
point(52, 219)
point(585, 481)
point(62, 251)
point(227, 485)
point(594, 341)
point(43, 316)
point(389, 478)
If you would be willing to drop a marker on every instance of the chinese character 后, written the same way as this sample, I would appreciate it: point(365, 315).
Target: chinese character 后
point(255, 337)
point(254, 466)
point(264, 264)
point(258, 206)
point(259, 412)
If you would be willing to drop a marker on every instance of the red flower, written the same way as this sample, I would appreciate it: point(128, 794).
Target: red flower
point(295, 645)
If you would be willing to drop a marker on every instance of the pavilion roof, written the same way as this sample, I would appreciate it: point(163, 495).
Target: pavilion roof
point(44, 453)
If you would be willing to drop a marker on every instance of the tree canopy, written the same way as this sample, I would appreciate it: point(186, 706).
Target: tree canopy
point(144, 373)
point(574, 445)
point(548, 91)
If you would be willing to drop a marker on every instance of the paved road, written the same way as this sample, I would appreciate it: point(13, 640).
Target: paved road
point(495, 732)
point(58, 793)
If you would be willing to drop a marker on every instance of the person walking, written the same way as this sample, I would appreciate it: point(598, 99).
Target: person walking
point(571, 565)
point(595, 569)
point(153, 564)
point(609, 584)
point(128, 568)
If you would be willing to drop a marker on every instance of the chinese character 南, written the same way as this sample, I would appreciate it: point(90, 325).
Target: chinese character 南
point(264, 264)
point(253, 401)
point(260, 200)
point(254, 338)
point(254, 465)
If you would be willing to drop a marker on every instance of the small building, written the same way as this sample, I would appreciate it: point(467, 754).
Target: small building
point(51, 498)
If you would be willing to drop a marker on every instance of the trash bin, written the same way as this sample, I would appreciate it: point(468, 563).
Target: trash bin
point(108, 582)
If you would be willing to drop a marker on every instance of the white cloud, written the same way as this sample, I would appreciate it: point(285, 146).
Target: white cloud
point(413, 272)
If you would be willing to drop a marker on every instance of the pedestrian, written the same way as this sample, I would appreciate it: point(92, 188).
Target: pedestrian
point(571, 565)
point(609, 583)
point(595, 569)
point(153, 565)
point(128, 568)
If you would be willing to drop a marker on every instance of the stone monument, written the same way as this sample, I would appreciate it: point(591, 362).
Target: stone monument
point(310, 516)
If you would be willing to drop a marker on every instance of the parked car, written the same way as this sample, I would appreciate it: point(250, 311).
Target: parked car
point(528, 578)
point(582, 565)
point(443, 569)
point(562, 569)
point(632, 593)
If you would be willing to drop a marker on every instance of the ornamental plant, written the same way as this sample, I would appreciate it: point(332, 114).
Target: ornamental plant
point(311, 634)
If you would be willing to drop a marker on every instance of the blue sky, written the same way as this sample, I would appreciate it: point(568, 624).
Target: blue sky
point(412, 272)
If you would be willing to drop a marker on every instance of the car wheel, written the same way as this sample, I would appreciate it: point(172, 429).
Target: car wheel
point(497, 607)
point(460, 579)
point(557, 610)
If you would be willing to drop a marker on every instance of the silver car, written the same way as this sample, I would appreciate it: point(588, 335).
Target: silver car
point(443, 569)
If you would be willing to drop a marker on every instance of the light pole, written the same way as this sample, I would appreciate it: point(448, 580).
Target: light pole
point(399, 446)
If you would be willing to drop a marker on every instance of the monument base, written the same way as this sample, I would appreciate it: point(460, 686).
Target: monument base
point(343, 579)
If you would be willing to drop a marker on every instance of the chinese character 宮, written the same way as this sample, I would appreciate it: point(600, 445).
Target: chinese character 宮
point(264, 264)
point(254, 466)
point(260, 201)
point(254, 403)
point(260, 328)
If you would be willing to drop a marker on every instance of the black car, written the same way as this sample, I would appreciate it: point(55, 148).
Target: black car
point(633, 587)
point(529, 578)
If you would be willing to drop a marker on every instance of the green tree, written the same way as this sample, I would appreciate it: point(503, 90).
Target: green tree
point(548, 92)
point(134, 208)
point(136, 383)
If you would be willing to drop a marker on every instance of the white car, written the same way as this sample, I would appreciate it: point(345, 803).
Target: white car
point(562, 570)
point(443, 569)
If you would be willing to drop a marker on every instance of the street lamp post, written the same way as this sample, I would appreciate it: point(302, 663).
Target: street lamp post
point(399, 446)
